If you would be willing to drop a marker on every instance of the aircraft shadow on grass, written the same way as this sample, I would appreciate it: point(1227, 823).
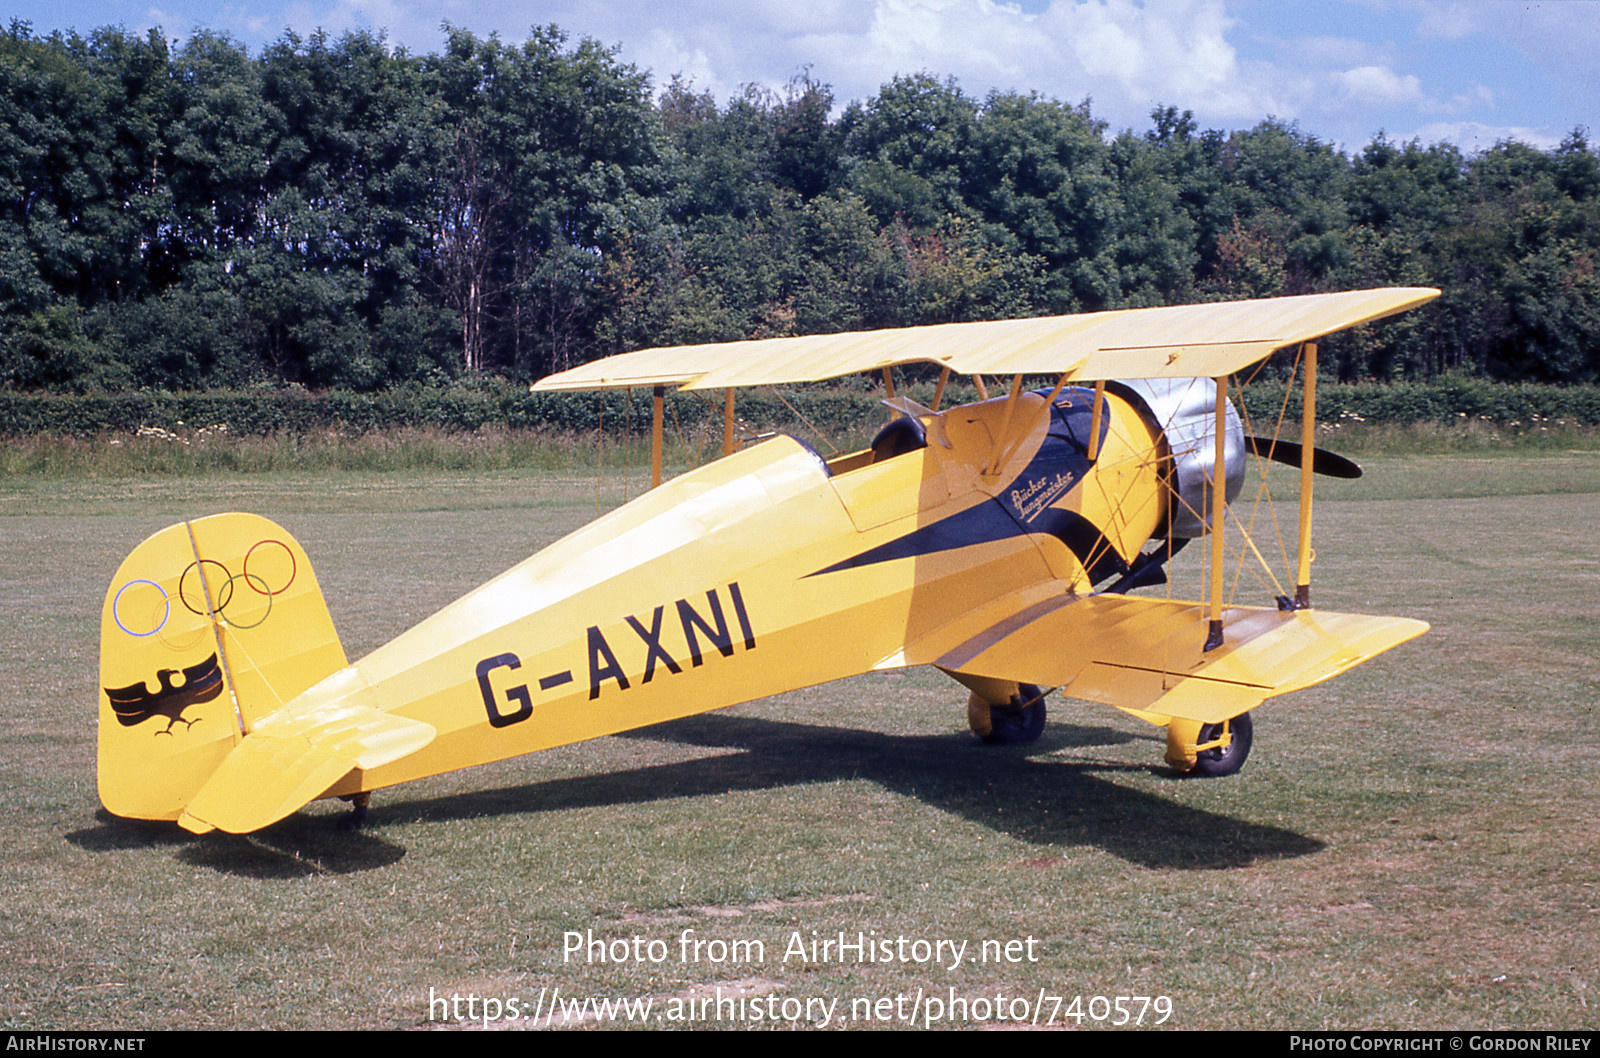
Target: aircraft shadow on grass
point(1046, 802)
point(1010, 790)
point(299, 846)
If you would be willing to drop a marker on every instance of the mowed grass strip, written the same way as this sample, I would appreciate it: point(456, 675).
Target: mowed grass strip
point(1411, 845)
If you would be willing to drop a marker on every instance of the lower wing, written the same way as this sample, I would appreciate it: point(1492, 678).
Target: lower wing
point(1147, 656)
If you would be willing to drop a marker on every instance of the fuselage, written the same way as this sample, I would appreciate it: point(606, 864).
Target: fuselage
point(769, 570)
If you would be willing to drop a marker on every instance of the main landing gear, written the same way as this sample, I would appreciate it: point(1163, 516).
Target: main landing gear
point(1209, 750)
point(1003, 713)
point(1020, 720)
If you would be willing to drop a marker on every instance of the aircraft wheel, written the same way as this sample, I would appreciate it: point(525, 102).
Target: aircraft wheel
point(358, 811)
point(1022, 721)
point(1214, 763)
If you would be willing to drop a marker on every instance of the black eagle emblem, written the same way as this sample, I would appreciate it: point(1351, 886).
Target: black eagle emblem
point(136, 703)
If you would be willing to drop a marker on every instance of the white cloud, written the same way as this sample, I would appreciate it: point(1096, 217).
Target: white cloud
point(1472, 136)
point(1342, 68)
point(1477, 98)
point(1125, 56)
point(1378, 85)
point(1447, 21)
point(1336, 51)
point(672, 56)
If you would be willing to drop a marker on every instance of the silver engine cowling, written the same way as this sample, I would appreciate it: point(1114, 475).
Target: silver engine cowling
point(1185, 410)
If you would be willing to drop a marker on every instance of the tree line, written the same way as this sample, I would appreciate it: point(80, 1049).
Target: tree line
point(336, 212)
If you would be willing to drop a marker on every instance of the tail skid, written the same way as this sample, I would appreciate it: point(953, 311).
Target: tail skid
point(224, 619)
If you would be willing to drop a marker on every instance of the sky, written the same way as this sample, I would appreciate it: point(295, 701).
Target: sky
point(1473, 72)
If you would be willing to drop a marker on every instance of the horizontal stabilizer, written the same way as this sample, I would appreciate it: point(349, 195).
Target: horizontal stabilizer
point(291, 760)
point(1147, 655)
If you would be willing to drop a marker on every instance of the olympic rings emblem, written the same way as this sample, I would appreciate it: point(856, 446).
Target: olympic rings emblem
point(294, 567)
point(269, 578)
point(260, 589)
point(166, 608)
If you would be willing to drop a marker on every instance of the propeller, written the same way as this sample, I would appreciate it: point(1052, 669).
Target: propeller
point(1148, 569)
point(1292, 454)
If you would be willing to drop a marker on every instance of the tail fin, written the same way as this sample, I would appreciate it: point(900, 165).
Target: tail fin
point(208, 627)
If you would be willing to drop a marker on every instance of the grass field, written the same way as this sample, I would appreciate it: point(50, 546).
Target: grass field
point(1413, 845)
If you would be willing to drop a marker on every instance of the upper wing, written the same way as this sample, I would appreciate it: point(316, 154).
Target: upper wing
point(1146, 655)
point(1208, 340)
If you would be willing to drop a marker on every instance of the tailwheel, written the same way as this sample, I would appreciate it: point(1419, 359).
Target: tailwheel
point(1020, 721)
point(358, 810)
point(1221, 749)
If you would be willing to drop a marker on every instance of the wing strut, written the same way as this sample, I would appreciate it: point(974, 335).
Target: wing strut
point(1007, 440)
point(1005, 428)
point(1219, 504)
point(216, 629)
point(938, 392)
point(1308, 440)
point(657, 401)
point(1094, 420)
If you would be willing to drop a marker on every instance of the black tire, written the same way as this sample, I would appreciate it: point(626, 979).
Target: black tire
point(1215, 763)
point(1022, 721)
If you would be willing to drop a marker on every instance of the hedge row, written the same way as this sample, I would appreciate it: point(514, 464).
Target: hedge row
point(829, 410)
point(457, 408)
point(1450, 400)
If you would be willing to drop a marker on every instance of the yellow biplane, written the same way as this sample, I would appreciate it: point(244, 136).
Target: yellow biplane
point(997, 540)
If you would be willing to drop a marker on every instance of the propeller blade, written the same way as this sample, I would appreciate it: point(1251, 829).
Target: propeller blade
point(1291, 454)
point(1148, 569)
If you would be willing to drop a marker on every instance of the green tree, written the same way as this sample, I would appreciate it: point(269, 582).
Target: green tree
point(909, 147)
point(1282, 184)
point(1039, 174)
point(558, 138)
point(1522, 263)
